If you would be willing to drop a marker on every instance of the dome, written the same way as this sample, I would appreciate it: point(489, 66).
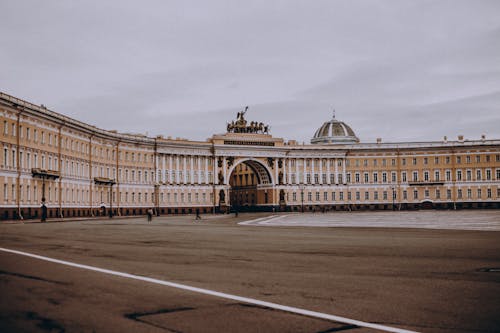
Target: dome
point(334, 132)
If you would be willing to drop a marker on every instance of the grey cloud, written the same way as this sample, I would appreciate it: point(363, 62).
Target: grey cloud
point(185, 68)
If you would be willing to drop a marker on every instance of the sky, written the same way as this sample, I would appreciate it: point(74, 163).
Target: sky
point(397, 70)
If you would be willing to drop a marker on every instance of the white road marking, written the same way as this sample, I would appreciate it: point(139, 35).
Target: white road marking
point(217, 294)
point(262, 220)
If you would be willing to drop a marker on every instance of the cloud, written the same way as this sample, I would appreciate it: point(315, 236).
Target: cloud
point(185, 68)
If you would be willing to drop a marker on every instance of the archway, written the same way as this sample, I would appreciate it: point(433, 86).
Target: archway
point(251, 186)
point(427, 204)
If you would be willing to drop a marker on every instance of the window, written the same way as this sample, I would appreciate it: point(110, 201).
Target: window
point(478, 158)
point(384, 177)
point(358, 196)
point(5, 127)
point(403, 161)
point(459, 193)
point(469, 193)
point(405, 195)
point(467, 159)
point(426, 176)
point(384, 195)
point(448, 194)
point(459, 174)
point(488, 193)
point(415, 194)
point(448, 175)
point(414, 161)
point(415, 176)
point(426, 161)
point(479, 193)
point(393, 177)
point(375, 177)
point(317, 196)
point(316, 178)
point(436, 160)
point(5, 157)
point(459, 159)
point(357, 177)
point(426, 193)
point(436, 175)
point(403, 176)
point(375, 195)
point(341, 196)
point(325, 196)
point(488, 174)
point(447, 160)
point(469, 174)
point(393, 162)
point(438, 194)
point(367, 195)
point(478, 174)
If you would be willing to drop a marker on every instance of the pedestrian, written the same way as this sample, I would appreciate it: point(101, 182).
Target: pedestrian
point(198, 217)
point(150, 215)
point(44, 212)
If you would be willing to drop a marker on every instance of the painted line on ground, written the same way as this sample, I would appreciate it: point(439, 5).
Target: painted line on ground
point(270, 305)
point(263, 220)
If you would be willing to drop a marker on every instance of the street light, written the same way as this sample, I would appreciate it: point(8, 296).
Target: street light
point(393, 197)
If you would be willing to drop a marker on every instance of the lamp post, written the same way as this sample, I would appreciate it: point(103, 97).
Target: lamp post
point(393, 197)
point(111, 200)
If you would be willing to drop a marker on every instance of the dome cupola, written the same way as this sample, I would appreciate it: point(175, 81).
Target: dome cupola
point(334, 132)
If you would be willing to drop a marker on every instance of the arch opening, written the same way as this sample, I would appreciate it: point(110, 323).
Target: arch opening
point(250, 186)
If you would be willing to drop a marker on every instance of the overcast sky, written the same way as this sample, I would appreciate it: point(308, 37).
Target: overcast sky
point(400, 70)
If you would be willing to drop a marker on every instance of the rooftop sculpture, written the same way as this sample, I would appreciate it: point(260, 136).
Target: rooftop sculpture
point(241, 125)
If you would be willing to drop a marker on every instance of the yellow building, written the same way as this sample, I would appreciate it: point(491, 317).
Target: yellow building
point(75, 169)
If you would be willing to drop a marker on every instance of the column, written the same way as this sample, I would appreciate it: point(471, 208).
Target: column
point(304, 171)
point(170, 168)
point(321, 171)
point(344, 179)
point(184, 168)
point(336, 161)
point(163, 167)
point(296, 170)
point(177, 168)
point(328, 171)
point(224, 165)
point(276, 182)
point(206, 170)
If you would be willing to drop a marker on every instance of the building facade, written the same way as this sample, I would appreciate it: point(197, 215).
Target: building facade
point(75, 169)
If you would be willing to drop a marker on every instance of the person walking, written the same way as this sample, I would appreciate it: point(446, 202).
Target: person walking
point(150, 215)
point(44, 212)
point(198, 217)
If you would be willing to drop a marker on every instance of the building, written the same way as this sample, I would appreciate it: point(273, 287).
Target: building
point(75, 169)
